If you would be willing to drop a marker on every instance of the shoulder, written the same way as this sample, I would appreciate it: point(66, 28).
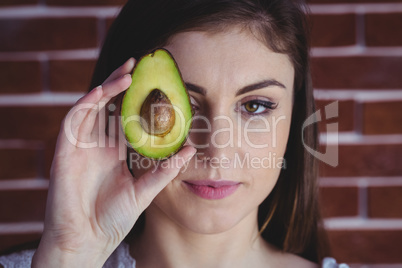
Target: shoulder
point(279, 258)
point(293, 260)
point(18, 259)
point(286, 259)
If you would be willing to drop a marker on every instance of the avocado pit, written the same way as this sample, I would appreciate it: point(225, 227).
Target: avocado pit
point(157, 114)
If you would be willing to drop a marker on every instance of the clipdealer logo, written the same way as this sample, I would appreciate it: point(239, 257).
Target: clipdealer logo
point(113, 138)
point(331, 155)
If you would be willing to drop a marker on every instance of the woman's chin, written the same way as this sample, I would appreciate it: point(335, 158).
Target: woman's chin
point(209, 221)
point(211, 226)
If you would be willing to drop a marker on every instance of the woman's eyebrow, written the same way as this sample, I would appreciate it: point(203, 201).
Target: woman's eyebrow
point(195, 88)
point(259, 85)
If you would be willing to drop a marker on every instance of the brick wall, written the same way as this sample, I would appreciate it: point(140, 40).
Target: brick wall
point(47, 53)
point(357, 60)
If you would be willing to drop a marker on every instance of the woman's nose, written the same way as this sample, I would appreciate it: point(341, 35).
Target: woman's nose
point(212, 136)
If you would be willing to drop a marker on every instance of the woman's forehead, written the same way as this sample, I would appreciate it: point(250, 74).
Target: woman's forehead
point(228, 57)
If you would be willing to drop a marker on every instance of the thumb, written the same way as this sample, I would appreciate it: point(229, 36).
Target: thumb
point(148, 186)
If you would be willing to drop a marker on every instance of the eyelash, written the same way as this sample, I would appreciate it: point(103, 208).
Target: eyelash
point(193, 104)
point(266, 105)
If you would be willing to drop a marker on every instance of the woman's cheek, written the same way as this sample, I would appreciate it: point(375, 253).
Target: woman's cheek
point(266, 134)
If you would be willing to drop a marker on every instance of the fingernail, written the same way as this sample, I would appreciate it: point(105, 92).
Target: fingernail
point(98, 88)
point(124, 76)
point(130, 60)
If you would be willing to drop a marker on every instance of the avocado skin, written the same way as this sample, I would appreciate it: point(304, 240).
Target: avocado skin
point(185, 98)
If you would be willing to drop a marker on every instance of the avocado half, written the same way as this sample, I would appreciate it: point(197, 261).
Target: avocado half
point(156, 112)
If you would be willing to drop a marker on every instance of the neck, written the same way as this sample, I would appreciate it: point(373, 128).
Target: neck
point(167, 244)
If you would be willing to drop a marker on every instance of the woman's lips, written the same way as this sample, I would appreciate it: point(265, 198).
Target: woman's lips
point(211, 189)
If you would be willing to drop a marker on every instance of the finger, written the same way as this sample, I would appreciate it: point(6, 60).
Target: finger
point(114, 87)
point(117, 74)
point(83, 106)
point(92, 96)
point(74, 118)
point(148, 186)
point(126, 68)
point(109, 90)
point(87, 125)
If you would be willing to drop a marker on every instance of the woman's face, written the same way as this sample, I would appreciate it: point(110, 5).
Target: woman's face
point(242, 94)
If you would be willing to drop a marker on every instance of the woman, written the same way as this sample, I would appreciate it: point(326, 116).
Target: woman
point(248, 196)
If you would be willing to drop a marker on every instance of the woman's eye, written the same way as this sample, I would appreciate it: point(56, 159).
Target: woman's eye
point(194, 104)
point(257, 107)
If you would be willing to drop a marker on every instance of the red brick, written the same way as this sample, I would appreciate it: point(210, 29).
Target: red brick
point(10, 243)
point(366, 246)
point(19, 163)
point(18, 2)
point(339, 201)
point(47, 34)
point(345, 119)
point(333, 30)
point(382, 117)
point(20, 77)
point(366, 160)
point(31, 123)
point(385, 201)
point(71, 75)
point(22, 205)
point(384, 29)
point(86, 2)
point(357, 72)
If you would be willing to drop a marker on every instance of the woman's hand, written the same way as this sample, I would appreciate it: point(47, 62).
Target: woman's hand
point(93, 200)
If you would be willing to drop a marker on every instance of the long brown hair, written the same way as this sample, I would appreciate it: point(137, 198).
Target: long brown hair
point(289, 217)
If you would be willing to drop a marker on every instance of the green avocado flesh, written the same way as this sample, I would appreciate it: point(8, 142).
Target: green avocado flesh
point(156, 112)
